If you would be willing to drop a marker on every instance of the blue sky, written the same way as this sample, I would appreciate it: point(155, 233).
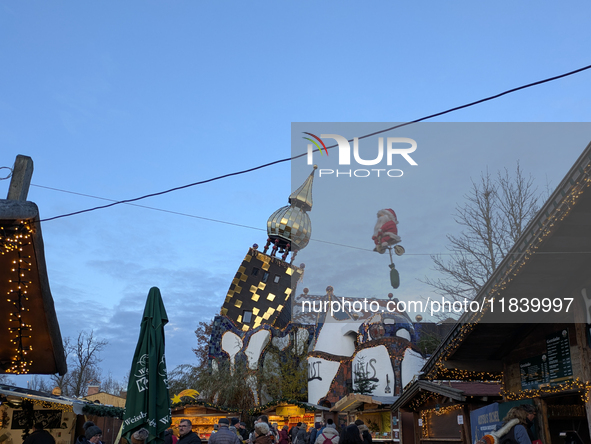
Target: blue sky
point(119, 100)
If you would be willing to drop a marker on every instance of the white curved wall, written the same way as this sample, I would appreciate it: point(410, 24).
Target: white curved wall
point(257, 342)
point(411, 366)
point(378, 365)
point(320, 375)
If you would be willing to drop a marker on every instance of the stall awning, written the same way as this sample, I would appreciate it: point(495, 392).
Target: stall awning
point(353, 401)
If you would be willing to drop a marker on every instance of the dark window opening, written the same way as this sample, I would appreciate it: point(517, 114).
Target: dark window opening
point(255, 271)
point(246, 317)
point(276, 279)
point(265, 276)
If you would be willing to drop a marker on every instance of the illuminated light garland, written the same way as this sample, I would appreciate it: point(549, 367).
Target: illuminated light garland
point(14, 239)
point(51, 405)
point(439, 411)
point(575, 385)
point(561, 211)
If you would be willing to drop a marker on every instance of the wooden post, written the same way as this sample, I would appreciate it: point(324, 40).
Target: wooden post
point(542, 421)
point(584, 351)
point(21, 178)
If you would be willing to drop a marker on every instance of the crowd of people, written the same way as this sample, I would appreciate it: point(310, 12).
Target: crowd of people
point(233, 431)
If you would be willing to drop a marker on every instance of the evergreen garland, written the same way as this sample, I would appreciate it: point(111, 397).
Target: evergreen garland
point(103, 410)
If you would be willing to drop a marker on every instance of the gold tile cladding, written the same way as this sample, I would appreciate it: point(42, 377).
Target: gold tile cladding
point(289, 271)
point(279, 307)
point(255, 297)
point(255, 311)
point(239, 319)
point(238, 289)
point(288, 291)
point(242, 269)
point(247, 258)
point(235, 281)
point(270, 297)
point(245, 328)
point(262, 285)
point(224, 311)
point(243, 277)
point(253, 289)
point(238, 303)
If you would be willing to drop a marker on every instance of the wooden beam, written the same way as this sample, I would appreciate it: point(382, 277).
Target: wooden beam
point(21, 178)
point(474, 366)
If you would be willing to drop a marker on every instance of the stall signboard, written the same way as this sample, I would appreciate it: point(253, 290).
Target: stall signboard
point(560, 367)
point(484, 420)
point(290, 410)
point(534, 372)
point(551, 368)
point(51, 419)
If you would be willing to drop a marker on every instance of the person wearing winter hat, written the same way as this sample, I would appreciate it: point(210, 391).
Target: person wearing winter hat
point(262, 435)
point(224, 435)
point(93, 434)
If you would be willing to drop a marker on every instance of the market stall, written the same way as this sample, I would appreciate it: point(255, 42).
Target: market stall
point(289, 414)
point(374, 411)
point(21, 408)
point(202, 416)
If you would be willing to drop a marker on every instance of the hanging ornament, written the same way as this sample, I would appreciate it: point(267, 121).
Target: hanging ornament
point(385, 237)
point(394, 277)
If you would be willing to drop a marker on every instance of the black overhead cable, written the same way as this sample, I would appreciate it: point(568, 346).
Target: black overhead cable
point(237, 173)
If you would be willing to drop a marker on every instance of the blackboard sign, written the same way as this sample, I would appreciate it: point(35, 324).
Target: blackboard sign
point(51, 419)
point(534, 372)
point(560, 367)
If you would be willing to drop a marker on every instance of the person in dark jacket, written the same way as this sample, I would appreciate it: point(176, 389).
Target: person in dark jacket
point(294, 431)
point(186, 433)
point(39, 436)
point(284, 435)
point(241, 426)
point(224, 435)
point(303, 437)
point(313, 432)
point(169, 437)
point(351, 435)
point(365, 435)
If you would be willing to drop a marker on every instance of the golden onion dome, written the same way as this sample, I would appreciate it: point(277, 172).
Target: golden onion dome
point(291, 224)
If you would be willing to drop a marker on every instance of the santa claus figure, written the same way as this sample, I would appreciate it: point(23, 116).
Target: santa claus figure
point(385, 233)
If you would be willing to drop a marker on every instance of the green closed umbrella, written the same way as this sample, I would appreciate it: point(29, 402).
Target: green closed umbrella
point(148, 402)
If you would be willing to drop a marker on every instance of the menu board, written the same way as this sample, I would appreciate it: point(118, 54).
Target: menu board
point(560, 367)
point(553, 367)
point(534, 372)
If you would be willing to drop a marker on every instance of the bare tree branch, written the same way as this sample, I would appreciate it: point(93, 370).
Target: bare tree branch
point(493, 216)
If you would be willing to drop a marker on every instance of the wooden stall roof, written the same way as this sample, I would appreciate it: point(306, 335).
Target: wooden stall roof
point(106, 399)
point(353, 401)
point(454, 390)
point(47, 354)
point(547, 261)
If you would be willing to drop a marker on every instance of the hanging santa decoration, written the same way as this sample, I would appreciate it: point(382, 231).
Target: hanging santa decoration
point(385, 237)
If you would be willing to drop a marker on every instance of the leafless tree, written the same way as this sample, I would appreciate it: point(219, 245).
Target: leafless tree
point(493, 217)
point(39, 383)
point(83, 358)
point(4, 379)
point(112, 386)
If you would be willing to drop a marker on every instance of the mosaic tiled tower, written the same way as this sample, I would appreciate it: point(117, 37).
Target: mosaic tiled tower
point(260, 292)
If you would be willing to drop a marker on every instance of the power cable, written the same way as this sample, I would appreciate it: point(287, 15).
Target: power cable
point(237, 173)
point(262, 229)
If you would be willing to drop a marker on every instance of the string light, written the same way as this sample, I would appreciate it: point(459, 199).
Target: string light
point(14, 239)
point(439, 411)
point(577, 385)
